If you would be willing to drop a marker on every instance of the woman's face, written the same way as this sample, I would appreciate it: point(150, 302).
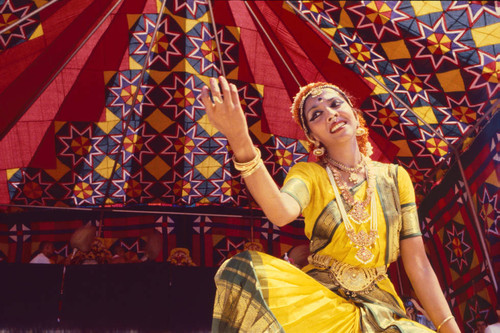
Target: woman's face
point(330, 118)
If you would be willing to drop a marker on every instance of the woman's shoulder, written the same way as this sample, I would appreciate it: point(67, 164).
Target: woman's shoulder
point(307, 166)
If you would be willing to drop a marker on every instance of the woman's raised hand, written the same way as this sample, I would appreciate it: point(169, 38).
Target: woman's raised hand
point(225, 113)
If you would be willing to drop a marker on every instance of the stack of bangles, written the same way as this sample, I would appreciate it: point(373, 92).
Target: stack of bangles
point(248, 168)
point(445, 320)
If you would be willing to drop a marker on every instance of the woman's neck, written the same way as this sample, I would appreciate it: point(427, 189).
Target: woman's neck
point(348, 154)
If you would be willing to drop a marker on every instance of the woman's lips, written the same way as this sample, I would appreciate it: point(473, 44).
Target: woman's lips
point(337, 126)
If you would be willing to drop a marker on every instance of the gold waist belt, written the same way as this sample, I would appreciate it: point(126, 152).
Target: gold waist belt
point(352, 280)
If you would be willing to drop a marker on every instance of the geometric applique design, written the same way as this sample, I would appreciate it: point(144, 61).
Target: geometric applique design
point(10, 12)
point(438, 43)
point(457, 244)
point(476, 308)
point(19, 232)
point(227, 247)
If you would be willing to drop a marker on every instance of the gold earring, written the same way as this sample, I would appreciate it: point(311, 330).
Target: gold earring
point(318, 150)
point(360, 131)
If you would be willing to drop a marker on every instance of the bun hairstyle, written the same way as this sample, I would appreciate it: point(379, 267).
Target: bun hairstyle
point(314, 89)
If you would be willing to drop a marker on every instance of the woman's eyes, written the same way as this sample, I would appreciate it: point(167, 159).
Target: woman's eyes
point(315, 115)
point(333, 104)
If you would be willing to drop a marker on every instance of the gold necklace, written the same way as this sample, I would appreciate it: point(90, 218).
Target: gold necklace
point(353, 172)
point(358, 211)
point(363, 241)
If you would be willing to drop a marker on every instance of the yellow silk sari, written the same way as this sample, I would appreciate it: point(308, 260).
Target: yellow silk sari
point(260, 293)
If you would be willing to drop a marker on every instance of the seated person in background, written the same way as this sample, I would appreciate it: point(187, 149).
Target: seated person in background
point(417, 313)
point(495, 328)
point(88, 249)
point(45, 255)
point(480, 325)
point(122, 256)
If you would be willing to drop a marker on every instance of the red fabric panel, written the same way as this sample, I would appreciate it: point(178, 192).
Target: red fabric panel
point(19, 96)
point(44, 156)
point(4, 189)
point(19, 145)
point(16, 59)
point(307, 47)
point(85, 101)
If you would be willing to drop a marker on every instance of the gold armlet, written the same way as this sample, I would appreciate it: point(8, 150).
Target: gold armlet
point(445, 320)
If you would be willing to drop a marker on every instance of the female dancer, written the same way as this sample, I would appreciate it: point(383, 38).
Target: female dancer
point(359, 216)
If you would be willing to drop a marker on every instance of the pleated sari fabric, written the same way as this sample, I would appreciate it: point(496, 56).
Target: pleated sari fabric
point(257, 292)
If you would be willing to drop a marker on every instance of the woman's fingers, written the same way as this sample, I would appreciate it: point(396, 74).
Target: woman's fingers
point(214, 88)
point(225, 90)
point(234, 93)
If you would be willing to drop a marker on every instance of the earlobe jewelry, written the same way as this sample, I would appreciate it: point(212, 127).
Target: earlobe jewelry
point(318, 150)
point(360, 131)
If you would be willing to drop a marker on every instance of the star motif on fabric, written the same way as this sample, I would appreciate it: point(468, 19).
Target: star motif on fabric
point(133, 142)
point(205, 49)
point(79, 144)
point(380, 16)
point(457, 246)
point(229, 249)
point(192, 6)
point(476, 311)
point(187, 145)
point(412, 85)
point(490, 212)
point(486, 73)
point(464, 111)
point(318, 11)
point(122, 95)
point(30, 189)
point(184, 187)
point(250, 103)
point(182, 96)
point(361, 51)
point(387, 115)
point(438, 44)
point(228, 188)
point(475, 9)
point(8, 15)
point(85, 192)
point(165, 46)
point(286, 154)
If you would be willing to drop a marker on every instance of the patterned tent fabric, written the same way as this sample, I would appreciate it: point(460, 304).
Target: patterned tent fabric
point(100, 108)
point(452, 237)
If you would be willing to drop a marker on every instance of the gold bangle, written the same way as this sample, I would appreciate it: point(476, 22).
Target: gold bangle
point(244, 166)
point(246, 173)
point(444, 322)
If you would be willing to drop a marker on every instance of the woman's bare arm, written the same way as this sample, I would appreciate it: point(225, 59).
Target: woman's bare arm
point(425, 283)
point(226, 114)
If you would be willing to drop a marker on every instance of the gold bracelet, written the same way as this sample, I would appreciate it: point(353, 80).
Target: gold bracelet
point(245, 166)
point(246, 173)
point(444, 322)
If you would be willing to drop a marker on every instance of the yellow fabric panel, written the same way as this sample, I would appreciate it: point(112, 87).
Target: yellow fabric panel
point(487, 35)
point(300, 303)
point(396, 50)
point(451, 81)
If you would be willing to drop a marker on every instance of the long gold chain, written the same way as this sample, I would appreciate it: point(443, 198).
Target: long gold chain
point(363, 241)
point(358, 210)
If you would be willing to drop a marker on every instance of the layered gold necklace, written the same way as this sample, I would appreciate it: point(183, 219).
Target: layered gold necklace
point(358, 214)
point(353, 172)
